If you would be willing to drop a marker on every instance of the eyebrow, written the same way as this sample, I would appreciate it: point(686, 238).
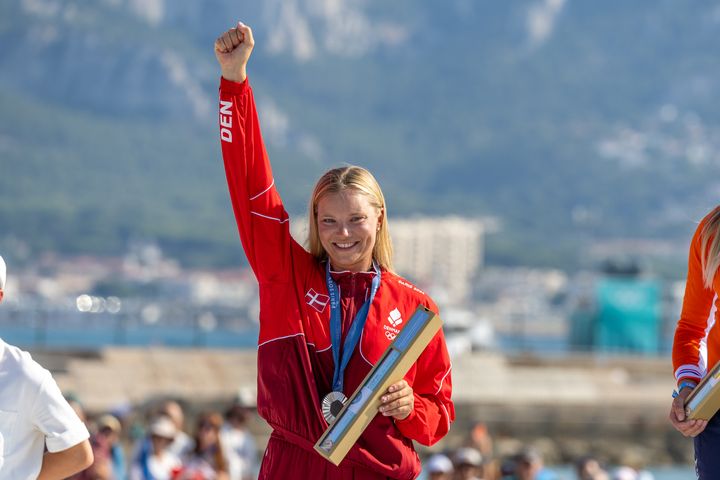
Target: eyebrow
point(350, 214)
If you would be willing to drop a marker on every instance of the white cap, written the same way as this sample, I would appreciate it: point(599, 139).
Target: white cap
point(245, 397)
point(3, 273)
point(625, 473)
point(163, 427)
point(439, 463)
point(468, 456)
point(109, 421)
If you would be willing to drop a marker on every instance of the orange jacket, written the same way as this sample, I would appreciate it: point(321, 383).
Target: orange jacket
point(696, 347)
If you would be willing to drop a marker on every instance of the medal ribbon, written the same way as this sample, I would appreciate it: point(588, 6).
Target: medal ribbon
point(355, 330)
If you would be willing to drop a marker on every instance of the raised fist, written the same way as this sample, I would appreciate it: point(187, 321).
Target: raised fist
point(232, 50)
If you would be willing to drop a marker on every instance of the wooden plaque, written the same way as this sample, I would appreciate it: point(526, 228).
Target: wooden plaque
point(704, 401)
point(363, 405)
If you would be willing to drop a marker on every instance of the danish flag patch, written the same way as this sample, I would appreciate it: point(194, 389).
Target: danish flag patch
point(318, 301)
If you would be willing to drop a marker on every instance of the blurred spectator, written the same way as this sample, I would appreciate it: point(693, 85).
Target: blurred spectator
point(439, 467)
point(481, 440)
point(529, 466)
point(625, 473)
point(183, 444)
point(109, 461)
point(629, 473)
point(154, 460)
point(468, 464)
point(238, 442)
point(507, 469)
point(588, 468)
point(74, 402)
point(207, 461)
point(108, 435)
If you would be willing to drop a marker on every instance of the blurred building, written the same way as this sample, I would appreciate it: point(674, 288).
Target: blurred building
point(442, 254)
point(622, 312)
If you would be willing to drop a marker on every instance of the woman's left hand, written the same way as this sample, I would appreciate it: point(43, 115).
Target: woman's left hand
point(398, 401)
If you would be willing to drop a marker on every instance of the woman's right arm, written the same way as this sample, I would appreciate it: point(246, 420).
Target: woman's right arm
point(261, 218)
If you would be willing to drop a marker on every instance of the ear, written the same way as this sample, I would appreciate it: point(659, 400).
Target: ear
point(2, 294)
point(381, 217)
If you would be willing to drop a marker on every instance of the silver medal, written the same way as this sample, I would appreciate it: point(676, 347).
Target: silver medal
point(332, 404)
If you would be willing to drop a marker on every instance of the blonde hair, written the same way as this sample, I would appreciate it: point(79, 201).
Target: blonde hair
point(358, 179)
point(710, 250)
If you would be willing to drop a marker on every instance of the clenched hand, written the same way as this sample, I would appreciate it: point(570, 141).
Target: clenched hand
point(232, 50)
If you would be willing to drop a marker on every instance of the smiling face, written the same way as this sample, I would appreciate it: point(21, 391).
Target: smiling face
point(347, 224)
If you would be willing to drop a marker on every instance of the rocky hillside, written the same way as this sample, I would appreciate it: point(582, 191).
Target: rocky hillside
point(569, 121)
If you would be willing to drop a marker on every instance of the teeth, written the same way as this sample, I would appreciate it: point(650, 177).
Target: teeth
point(344, 245)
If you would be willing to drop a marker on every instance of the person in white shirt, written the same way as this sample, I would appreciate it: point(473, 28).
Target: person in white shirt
point(183, 444)
point(154, 460)
point(34, 415)
point(238, 443)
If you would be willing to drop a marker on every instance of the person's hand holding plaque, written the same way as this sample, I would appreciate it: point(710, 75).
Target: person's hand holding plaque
point(689, 428)
point(398, 402)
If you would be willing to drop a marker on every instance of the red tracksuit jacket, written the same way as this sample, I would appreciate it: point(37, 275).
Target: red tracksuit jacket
point(295, 363)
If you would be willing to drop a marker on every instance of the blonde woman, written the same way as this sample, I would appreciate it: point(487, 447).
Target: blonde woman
point(208, 460)
point(326, 316)
point(696, 329)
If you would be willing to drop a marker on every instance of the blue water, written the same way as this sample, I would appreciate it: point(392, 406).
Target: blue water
point(92, 337)
point(68, 332)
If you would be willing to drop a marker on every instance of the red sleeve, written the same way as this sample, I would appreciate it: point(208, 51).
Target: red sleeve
point(432, 387)
point(695, 316)
point(261, 218)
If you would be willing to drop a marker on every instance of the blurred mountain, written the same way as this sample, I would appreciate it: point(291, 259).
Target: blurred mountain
point(569, 121)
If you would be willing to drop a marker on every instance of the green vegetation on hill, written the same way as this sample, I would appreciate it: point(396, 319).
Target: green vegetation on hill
point(103, 139)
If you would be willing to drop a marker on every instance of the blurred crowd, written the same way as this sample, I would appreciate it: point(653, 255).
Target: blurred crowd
point(478, 461)
point(158, 445)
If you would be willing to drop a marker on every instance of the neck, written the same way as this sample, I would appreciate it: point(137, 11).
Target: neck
point(355, 268)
